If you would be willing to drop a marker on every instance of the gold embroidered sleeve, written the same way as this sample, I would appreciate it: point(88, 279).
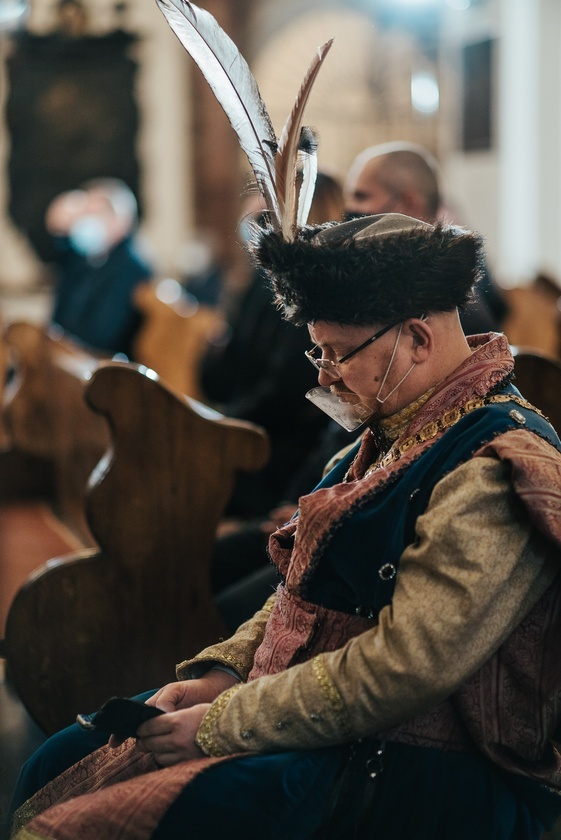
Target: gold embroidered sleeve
point(474, 571)
point(236, 652)
point(299, 708)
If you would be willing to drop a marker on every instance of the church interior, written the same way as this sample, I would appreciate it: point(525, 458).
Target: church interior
point(118, 463)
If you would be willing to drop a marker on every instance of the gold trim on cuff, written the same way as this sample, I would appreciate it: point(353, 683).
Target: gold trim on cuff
point(332, 694)
point(204, 738)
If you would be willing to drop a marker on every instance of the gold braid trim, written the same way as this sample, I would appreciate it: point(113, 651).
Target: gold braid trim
point(206, 664)
point(26, 834)
point(24, 814)
point(331, 693)
point(204, 738)
point(448, 419)
point(394, 426)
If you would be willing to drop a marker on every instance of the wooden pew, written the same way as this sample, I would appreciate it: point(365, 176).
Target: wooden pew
point(46, 416)
point(115, 620)
point(175, 333)
point(534, 318)
point(55, 440)
point(538, 377)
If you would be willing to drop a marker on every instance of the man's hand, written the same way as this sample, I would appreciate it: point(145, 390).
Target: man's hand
point(171, 737)
point(186, 694)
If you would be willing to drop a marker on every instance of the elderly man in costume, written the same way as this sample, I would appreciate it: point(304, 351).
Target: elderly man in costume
point(403, 680)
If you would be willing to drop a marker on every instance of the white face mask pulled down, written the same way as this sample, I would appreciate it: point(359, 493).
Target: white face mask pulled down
point(345, 406)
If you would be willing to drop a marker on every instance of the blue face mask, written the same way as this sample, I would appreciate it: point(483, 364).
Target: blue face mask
point(246, 230)
point(248, 227)
point(89, 237)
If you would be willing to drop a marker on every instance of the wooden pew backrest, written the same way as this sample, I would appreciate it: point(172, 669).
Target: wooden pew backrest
point(175, 334)
point(538, 377)
point(45, 415)
point(118, 619)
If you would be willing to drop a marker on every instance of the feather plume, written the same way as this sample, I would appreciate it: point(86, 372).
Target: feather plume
point(309, 158)
point(289, 144)
point(274, 163)
point(234, 86)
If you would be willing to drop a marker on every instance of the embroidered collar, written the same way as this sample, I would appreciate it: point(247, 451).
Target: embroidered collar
point(488, 368)
point(394, 426)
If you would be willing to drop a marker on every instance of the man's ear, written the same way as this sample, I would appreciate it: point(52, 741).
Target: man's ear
point(422, 339)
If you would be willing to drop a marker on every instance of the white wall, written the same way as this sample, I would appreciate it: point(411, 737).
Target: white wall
point(471, 180)
point(511, 193)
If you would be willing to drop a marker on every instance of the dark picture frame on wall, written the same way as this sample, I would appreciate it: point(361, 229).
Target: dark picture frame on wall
point(477, 99)
point(71, 115)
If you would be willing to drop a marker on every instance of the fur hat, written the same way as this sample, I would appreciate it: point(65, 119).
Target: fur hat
point(384, 268)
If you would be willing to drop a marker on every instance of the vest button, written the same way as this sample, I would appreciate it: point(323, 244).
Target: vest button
point(246, 734)
point(387, 571)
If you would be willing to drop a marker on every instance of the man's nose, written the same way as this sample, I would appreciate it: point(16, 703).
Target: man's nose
point(324, 377)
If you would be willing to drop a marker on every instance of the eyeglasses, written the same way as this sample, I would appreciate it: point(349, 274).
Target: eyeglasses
point(332, 368)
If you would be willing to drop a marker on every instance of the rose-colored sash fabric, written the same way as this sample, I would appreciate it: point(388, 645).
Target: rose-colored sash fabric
point(122, 794)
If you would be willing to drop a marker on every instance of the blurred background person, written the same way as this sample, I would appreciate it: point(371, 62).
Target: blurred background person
point(260, 373)
point(99, 264)
point(401, 177)
point(265, 360)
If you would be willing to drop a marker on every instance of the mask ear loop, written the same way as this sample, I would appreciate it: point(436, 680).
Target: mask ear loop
point(403, 378)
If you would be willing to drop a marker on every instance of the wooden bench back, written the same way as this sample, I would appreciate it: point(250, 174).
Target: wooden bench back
point(538, 377)
point(534, 318)
point(45, 415)
point(174, 335)
point(117, 620)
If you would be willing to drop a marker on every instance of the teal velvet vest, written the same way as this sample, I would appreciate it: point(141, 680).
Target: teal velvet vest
point(354, 571)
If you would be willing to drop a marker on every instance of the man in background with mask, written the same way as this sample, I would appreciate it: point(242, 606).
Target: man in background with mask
point(99, 264)
point(401, 177)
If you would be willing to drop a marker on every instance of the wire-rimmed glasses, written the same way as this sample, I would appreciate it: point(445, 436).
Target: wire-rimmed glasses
point(331, 367)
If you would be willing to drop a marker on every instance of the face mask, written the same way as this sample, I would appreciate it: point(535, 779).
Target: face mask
point(342, 406)
point(345, 407)
point(89, 237)
point(248, 227)
point(246, 230)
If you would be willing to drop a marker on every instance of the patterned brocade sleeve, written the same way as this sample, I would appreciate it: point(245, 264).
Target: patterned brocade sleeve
point(236, 652)
point(474, 572)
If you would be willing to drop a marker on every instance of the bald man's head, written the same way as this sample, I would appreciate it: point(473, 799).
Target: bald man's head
point(394, 178)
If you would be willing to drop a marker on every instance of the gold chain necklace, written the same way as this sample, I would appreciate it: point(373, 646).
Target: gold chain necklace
point(448, 419)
